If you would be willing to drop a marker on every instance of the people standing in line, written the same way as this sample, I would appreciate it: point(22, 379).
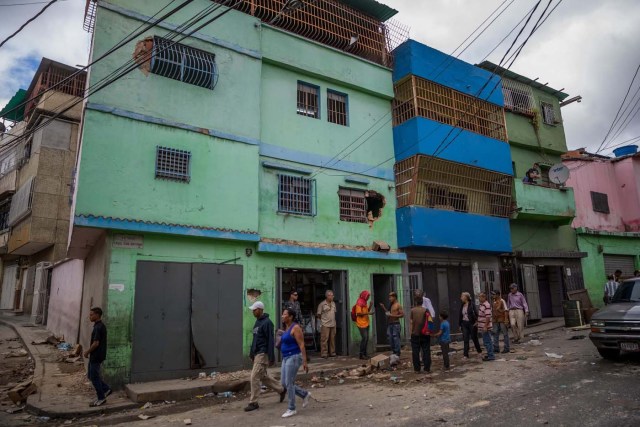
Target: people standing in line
point(500, 322)
point(469, 323)
point(420, 343)
point(327, 315)
point(97, 353)
point(485, 326)
point(518, 310)
point(363, 311)
point(444, 337)
point(263, 355)
point(294, 305)
point(394, 314)
point(293, 356)
point(610, 288)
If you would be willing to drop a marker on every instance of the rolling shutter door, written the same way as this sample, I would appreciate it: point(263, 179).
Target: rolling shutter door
point(624, 263)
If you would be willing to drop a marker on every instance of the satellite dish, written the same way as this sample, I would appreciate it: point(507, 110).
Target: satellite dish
point(558, 174)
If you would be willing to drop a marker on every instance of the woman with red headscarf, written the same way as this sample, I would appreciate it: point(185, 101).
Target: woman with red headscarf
point(363, 311)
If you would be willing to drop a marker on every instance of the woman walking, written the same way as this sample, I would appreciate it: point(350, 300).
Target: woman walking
point(469, 323)
point(293, 355)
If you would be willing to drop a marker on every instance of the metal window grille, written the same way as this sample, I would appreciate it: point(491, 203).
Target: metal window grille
point(518, 97)
point(337, 108)
point(183, 63)
point(173, 164)
point(21, 202)
point(51, 77)
point(600, 202)
point(334, 24)
point(5, 207)
point(296, 195)
point(90, 15)
point(308, 101)
point(440, 184)
point(415, 96)
point(548, 114)
point(353, 205)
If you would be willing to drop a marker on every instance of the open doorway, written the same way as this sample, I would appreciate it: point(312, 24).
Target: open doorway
point(383, 284)
point(311, 286)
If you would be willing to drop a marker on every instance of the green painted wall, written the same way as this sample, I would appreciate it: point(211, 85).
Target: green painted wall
point(117, 176)
point(593, 265)
point(542, 236)
point(521, 130)
point(259, 272)
point(544, 204)
point(523, 159)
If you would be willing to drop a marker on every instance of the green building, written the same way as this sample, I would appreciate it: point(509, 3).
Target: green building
point(220, 172)
point(545, 261)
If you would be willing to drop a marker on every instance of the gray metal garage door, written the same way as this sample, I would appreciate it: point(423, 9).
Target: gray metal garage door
point(624, 263)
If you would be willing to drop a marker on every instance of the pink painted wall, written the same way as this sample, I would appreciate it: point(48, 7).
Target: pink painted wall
point(620, 180)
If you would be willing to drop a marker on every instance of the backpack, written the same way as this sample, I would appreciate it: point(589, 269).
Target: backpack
point(353, 313)
point(429, 326)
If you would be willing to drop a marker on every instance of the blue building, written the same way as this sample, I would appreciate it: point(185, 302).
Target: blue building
point(453, 174)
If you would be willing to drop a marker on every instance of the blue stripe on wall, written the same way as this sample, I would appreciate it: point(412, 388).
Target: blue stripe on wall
point(340, 253)
point(433, 228)
point(146, 227)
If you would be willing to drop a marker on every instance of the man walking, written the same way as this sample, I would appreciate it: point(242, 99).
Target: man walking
point(518, 310)
point(394, 314)
point(97, 353)
point(294, 305)
point(327, 315)
point(500, 322)
point(263, 355)
point(485, 326)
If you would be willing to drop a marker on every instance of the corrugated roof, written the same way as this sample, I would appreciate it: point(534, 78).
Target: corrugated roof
point(10, 112)
point(487, 65)
point(372, 8)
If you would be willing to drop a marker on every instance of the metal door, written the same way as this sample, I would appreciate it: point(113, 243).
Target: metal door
point(342, 310)
point(9, 279)
point(161, 320)
point(409, 287)
point(230, 315)
point(383, 284)
point(530, 281)
point(624, 263)
point(204, 315)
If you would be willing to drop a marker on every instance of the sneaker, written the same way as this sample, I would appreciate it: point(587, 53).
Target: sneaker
point(251, 407)
point(305, 401)
point(486, 359)
point(283, 395)
point(505, 351)
point(289, 413)
point(107, 393)
point(98, 402)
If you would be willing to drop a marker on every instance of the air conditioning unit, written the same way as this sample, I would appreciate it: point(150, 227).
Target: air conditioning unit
point(38, 309)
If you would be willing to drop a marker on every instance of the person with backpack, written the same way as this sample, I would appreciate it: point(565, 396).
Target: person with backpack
point(360, 314)
point(420, 335)
point(468, 322)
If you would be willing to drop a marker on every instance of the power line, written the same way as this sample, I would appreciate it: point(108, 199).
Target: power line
point(627, 120)
point(25, 4)
point(30, 20)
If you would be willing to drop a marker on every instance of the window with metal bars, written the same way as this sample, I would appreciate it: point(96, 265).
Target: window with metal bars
point(600, 202)
point(183, 63)
point(353, 205)
point(173, 164)
point(5, 207)
point(308, 100)
point(548, 114)
point(296, 195)
point(415, 96)
point(441, 184)
point(518, 97)
point(337, 108)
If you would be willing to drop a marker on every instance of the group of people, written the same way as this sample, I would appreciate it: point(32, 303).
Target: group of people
point(611, 286)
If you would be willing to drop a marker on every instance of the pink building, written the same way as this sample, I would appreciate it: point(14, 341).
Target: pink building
point(607, 221)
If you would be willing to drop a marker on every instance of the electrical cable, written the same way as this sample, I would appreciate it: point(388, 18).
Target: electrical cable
point(30, 20)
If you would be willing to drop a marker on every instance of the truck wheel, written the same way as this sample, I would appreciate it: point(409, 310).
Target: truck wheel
point(608, 353)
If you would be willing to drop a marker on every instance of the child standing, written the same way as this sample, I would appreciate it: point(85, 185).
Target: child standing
point(444, 337)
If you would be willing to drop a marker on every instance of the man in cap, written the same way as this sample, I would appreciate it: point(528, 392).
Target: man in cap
point(263, 355)
point(518, 310)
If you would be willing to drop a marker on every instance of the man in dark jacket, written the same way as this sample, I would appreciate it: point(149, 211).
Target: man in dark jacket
point(262, 354)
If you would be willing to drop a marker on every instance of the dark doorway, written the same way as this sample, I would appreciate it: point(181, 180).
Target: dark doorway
point(550, 286)
point(383, 284)
point(186, 317)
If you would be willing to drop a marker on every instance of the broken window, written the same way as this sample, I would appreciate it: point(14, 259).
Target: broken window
point(353, 205)
point(180, 62)
point(518, 97)
point(296, 195)
point(173, 164)
point(375, 205)
point(337, 108)
point(548, 114)
point(308, 103)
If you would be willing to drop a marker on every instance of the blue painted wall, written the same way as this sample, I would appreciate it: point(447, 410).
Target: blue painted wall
point(423, 136)
point(434, 228)
point(412, 57)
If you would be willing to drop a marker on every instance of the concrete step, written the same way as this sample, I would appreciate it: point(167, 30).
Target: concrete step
point(181, 389)
point(12, 313)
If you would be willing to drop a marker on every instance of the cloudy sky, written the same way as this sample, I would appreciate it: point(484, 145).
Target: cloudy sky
point(587, 47)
